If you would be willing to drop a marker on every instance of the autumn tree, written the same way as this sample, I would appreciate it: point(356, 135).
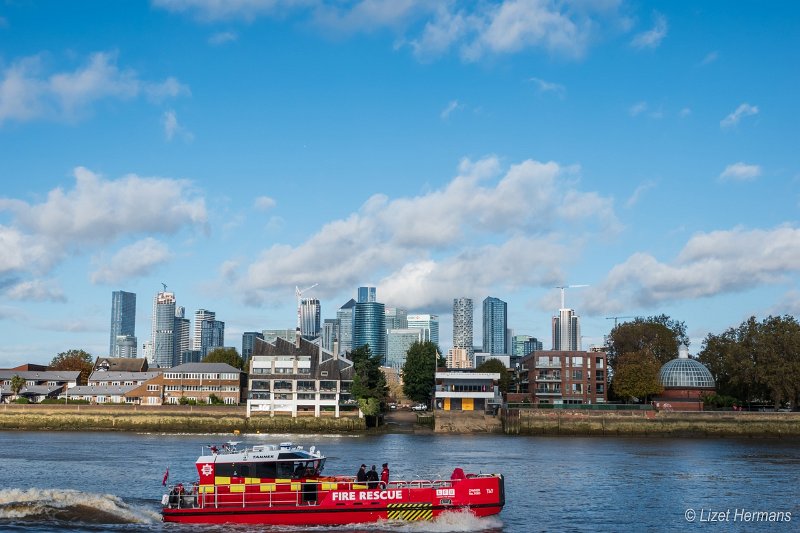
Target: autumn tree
point(636, 376)
point(72, 360)
point(225, 355)
point(494, 365)
point(660, 336)
point(419, 371)
point(369, 383)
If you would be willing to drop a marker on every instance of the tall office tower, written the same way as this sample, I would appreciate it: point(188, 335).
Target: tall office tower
point(462, 326)
point(396, 318)
point(248, 342)
point(182, 328)
point(524, 344)
point(345, 317)
point(398, 341)
point(310, 313)
point(163, 331)
point(429, 324)
point(330, 333)
point(567, 331)
point(495, 325)
point(125, 346)
point(212, 335)
point(123, 319)
point(366, 294)
point(199, 316)
point(369, 327)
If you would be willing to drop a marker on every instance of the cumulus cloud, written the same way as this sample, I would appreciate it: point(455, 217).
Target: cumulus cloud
point(549, 87)
point(474, 29)
point(264, 203)
point(222, 37)
point(28, 92)
point(653, 37)
point(740, 172)
point(452, 106)
point(744, 110)
point(485, 211)
point(96, 211)
point(709, 264)
point(136, 260)
point(639, 193)
point(172, 128)
point(36, 290)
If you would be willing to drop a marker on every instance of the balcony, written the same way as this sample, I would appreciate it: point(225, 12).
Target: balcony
point(547, 365)
point(548, 392)
point(549, 378)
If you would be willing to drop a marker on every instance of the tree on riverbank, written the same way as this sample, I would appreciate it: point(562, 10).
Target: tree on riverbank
point(17, 383)
point(225, 355)
point(659, 335)
point(419, 371)
point(636, 376)
point(369, 383)
point(757, 361)
point(72, 360)
point(496, 366)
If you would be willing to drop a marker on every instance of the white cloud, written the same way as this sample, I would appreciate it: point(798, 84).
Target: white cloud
point(639, 192)
point(222, 37)
point(264, 203)
point(710, 58)
point(637, 109)
point(740, 172)
point(711, 263)
point(95, 212)
point(36, 290)
point(549, 87)
point(452, 106)
point(744, 110)
point(485, 209)
point(136, 260)
point(172, 128)
point(27, 92)
point(685, 112)
point(475, 29)
point(652, 38)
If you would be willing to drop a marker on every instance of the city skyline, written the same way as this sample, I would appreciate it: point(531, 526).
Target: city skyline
point(238, 151)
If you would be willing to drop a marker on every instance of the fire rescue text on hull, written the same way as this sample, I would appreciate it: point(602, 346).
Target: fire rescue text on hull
point(284, 485)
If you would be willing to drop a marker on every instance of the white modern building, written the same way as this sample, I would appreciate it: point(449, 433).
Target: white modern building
point(467, 391)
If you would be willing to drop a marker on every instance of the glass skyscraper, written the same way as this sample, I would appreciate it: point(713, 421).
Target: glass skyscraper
point(398, 341)
point(366, 294)
point(123, 320)
point(163, 331)
point(345, 317)
point(248, 342)
point(369, 327)
point(212, 335)
point(429, 324)
point(310, 313)
point(495, 325)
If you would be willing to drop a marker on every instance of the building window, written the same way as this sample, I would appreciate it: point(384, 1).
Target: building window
point(577, 375)
point(153, 388)
point(577, 388)
point(577, 361)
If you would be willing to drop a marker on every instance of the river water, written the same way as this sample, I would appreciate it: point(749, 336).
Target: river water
point(85, 482)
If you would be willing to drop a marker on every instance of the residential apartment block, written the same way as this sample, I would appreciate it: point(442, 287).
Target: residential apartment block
point(566, 377)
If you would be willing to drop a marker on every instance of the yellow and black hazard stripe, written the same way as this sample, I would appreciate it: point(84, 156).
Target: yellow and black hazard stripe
point(410, 511)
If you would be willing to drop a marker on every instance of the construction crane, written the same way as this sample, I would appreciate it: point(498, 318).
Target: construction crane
point(562, 287)
point(299, 293)
point(614, 318)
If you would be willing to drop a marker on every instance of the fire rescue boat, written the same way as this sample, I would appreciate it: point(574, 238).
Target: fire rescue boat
point(284, 485)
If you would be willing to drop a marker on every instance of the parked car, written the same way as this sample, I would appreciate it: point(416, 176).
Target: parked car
point(420, 407)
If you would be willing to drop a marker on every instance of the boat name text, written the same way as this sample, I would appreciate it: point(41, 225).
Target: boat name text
point(351, 496)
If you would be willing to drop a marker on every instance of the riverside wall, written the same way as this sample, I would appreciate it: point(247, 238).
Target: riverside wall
point(650, 423)
point(166, 419)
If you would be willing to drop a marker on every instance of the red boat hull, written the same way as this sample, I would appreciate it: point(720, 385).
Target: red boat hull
point(347, 503)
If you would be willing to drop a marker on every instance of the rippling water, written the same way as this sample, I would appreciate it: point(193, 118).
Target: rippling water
point(65, 481)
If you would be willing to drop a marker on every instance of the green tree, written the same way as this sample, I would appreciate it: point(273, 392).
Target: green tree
point(17, 383)
point(657, 335)
point(369, 383)
point(496, 365)
point(72, 360)
point(225, 355)
point(419, 371)
point(636, 376)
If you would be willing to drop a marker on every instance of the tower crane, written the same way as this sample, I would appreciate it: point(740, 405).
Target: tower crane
point(299, 293)
point(614, 318)
point(562, 287)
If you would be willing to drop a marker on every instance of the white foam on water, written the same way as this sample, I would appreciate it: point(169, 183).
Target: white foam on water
point(27, 503)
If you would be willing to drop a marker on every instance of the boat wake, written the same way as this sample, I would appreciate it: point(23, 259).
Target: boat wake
point(70, 506)
point(454, 522)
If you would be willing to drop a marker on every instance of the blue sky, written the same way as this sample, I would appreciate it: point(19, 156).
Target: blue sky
point(236, 149)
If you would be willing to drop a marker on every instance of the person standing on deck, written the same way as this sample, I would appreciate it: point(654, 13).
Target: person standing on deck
point(385, 475)
point(372, 478)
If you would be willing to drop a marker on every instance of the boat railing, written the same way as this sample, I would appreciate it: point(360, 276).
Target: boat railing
point(267, 494)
